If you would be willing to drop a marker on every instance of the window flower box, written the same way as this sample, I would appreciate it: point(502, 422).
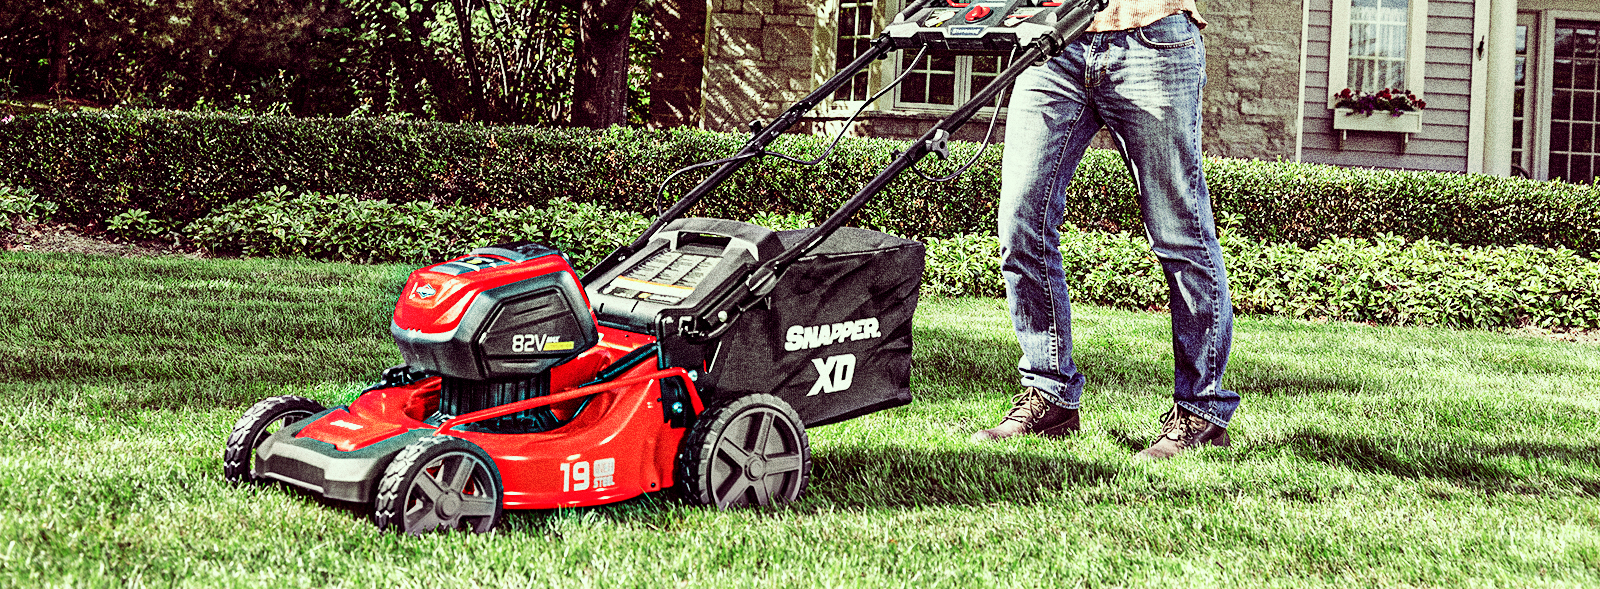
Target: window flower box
point(1388, 111)
point(1345, 119)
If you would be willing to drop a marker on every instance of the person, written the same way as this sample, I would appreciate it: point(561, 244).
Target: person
point(1138, 72)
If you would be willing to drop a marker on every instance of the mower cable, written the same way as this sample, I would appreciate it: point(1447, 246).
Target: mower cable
point(825, 153)
point(663, 192)
point(852, 119)
point(986, 136)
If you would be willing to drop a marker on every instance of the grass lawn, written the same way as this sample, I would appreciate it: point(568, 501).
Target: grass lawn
point(1363, 456)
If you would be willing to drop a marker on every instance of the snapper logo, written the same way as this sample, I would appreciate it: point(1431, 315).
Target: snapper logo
point(807, 337)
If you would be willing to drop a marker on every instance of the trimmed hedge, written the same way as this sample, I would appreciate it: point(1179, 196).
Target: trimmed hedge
point(1386, 280)
point(179, 167)
point(339, 227)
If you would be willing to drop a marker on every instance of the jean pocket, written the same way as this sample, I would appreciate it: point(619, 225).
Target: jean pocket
point(1171, 32)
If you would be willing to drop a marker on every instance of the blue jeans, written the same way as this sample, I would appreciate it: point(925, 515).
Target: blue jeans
point(1144, 85)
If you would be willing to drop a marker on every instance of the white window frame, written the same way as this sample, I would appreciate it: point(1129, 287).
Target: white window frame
point(1416, 48)
point(888, 69)
point(872, 82)
point(1541, 71)
point(964, 89)
point(1536, 93)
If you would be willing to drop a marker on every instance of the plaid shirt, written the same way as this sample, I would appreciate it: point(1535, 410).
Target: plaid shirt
point(1122, 15)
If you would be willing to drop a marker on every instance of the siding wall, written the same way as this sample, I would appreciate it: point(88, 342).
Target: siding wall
point(1442, 144)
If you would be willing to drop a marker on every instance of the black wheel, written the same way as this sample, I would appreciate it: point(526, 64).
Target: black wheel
point(751, 450)
point(258, 422)
point(439, 482)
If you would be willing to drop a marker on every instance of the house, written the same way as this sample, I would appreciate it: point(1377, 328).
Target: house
point(1511, 86)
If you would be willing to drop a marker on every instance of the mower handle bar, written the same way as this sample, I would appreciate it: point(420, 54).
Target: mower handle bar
point(717, 314)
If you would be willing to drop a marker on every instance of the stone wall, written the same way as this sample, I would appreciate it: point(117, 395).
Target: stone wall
point(762, 56)
point(1252, 89)
point(678, 69)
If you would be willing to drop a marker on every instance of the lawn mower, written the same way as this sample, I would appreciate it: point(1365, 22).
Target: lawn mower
point(693, 358)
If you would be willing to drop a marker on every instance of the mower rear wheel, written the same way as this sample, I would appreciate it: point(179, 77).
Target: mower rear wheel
point(258, 422)
point(750, 450)
point(439, 482)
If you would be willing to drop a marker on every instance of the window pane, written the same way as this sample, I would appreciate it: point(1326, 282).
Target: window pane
point(1564, 40)
point(1561, 105)
point(1583, 74)
point(1558, 136)
point(1558, 166)
point(855, 35)
point(1582, 138)
point(942, 88)
point(1585, 42)
point(1378, 39)
point(1516, 136)
point(1582, 169)
point(1583, 106)
point(915, 88)
point(985, 64)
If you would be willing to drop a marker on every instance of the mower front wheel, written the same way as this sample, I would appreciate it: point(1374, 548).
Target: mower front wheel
point(439, 482)
point(750, 450)
point(258, 422)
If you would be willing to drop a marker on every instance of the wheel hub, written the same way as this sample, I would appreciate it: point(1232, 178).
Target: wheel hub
point(756, 469)
point(448, 505)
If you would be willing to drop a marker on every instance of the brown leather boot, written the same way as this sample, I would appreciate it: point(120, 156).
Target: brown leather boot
point(1032, 414)
point(1180, 431)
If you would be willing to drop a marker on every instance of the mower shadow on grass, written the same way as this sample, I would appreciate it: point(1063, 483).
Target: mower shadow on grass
point(858, 477)
point(1467, 465)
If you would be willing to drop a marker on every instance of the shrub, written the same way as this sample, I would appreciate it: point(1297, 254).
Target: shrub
point(138, 224)
point(341, 227)
point(1387, 280)
point(21, 204)
point(180, 167)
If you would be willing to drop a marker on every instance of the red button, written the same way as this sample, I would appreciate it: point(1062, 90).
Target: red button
point(978, 13)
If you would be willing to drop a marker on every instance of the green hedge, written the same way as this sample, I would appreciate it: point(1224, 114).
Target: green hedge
point(339, 227)
point(1386, 280)
point(179, 167)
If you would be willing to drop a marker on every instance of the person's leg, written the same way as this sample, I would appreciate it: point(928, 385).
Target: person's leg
point(1148, 91)
point(1049, 124)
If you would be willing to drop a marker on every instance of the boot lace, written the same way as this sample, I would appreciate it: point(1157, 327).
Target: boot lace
point(1026, 407)
point(1181, 427)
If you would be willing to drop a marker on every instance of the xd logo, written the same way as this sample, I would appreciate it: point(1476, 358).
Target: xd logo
point(834, 373)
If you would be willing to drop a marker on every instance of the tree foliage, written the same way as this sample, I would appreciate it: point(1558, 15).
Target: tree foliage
point(500, 61)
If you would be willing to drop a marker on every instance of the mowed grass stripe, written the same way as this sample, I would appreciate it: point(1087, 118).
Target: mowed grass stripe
point(1365, 456)
point(88, 319)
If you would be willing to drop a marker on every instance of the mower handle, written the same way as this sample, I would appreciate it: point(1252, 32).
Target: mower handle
point(720, 315)
point(752, 149)
point(715, 315)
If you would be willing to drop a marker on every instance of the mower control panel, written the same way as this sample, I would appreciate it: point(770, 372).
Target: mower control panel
point(687, 261)
point(987, 25)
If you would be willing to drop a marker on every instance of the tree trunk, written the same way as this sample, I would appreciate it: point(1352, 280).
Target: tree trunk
point(478, 107)
point(600, 87)
point(58, 59)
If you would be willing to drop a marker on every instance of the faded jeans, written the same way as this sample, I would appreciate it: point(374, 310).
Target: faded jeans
point(1144, 85)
